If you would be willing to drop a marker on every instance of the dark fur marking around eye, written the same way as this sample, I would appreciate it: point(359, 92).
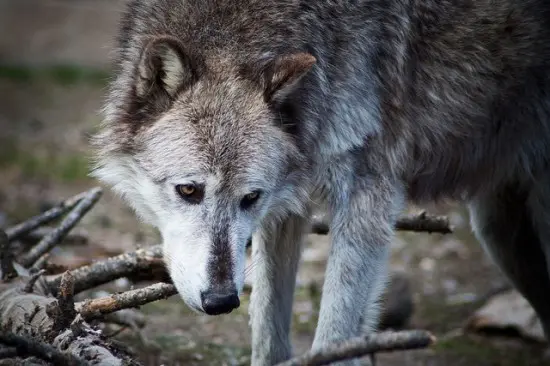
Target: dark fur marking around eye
point(249, 199)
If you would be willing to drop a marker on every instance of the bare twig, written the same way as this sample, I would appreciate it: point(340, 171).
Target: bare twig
point(27, 313)
point(6, 258)
point(129, 318)
point(62, 312)
point(65, 298)
point(75, 237)
point(110, 269)
point(94, 308)
point(126, 317)
point(29, 287)
point(420, 222)
point(48, 242)
point(41, 263)
point(423, 222)
point(116, 332)
point(34, 222)
point(362, 346)
point(31, 347)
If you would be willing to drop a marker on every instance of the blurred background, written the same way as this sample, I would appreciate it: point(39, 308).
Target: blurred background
point(54, 69)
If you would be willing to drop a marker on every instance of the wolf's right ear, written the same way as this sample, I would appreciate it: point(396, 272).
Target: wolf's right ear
point(284, 72)
point(164, 67)
point(278, 76)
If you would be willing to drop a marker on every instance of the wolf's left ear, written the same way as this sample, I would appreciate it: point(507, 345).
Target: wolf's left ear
point(283, 73)
point(165, 66)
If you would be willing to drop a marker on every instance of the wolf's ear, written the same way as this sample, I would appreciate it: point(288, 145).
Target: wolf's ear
point(164, 67)
point(283, 73)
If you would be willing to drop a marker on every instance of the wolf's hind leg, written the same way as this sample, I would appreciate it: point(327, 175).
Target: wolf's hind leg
point(503, 223)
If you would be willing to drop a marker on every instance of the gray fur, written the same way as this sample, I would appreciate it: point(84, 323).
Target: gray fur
point(276, 253)
point(361, 104)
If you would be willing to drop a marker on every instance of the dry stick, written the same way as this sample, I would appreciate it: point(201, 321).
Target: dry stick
point(95, 308)
point(31, 347)
point(6, 258)
point(29, 287)
point(27, 314)
point(423, 222)
point(126, 317)
point(361, 346)
point(76, 237)
point(420, 222)
point(129, 318)
point(41, 263)
point(110, 269)
point(53, 213)
point(48, 242)
point(62, 312)
point(65, 300)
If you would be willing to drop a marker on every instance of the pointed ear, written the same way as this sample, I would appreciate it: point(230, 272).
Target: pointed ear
point(165, 67)
point(283, 74)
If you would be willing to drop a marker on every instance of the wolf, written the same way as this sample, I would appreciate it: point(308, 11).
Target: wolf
point(228, 120)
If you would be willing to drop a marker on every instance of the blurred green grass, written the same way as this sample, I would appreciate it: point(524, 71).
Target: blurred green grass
point(60, 74)
point(43, 164)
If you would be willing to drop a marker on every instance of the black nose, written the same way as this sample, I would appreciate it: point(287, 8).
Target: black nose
point(219, 302)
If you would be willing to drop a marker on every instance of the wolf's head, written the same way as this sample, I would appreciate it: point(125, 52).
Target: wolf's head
point(197, 148)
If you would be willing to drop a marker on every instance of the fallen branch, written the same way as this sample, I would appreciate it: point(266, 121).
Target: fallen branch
point(31, 347)
point(423, 222)
point(28, 315)
point(34, 222)
point(130, 318)
point(41, 263)
point(48, 243)
point(420, 222)
point(31, 315)
point(101, 272)
point(362, 346)
point(29, 287)
point(127, 318)
point(76, 237)
point(64, 312)
point(94, 308)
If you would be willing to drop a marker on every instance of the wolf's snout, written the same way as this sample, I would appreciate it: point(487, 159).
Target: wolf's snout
point(219, 302)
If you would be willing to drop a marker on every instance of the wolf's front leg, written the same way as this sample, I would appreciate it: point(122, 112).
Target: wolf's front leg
point(362, 229)
point(276, 253)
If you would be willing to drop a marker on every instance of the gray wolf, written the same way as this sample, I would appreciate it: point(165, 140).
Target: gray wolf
point(228, 118)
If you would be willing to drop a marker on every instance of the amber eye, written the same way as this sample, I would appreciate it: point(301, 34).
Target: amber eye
point(249, 199)
point(190, 192)
point(186, 189)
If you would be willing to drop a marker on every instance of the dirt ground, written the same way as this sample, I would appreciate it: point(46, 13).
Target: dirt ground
point(53, 68)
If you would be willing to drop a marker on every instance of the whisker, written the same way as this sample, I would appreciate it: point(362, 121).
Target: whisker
point(250, 267)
